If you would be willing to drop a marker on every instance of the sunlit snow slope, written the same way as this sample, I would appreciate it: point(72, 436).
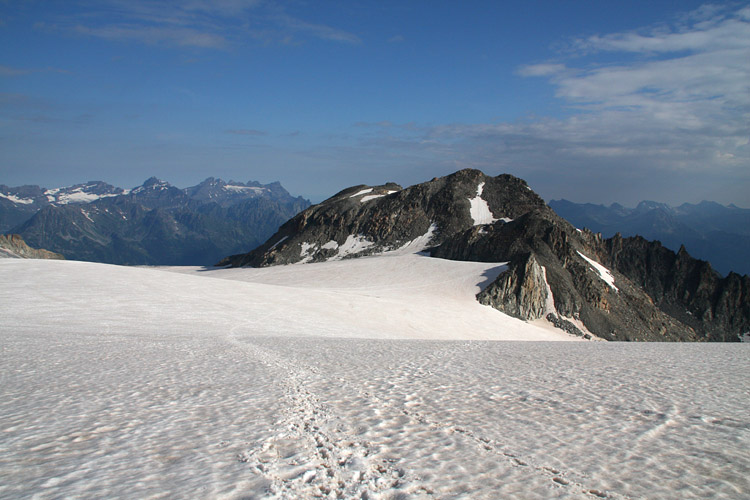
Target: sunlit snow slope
point(315, 381)
point(407, 296)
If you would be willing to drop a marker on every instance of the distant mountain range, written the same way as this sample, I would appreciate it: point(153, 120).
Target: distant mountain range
point(155, 223)
point(617, 288)
point(710, 231)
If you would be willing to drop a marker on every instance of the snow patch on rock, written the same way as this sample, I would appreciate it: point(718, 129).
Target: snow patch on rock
point(16, 199)
point(549, 305)
point(480, 210)
point(370, 197)
point(278, 242)
point(254, 189)
point(604, 273)
point(360, 193)
point(353, 245)
point(418, 244)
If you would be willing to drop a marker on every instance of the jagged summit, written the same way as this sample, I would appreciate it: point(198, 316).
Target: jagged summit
point(227, 193)
point(363, 220)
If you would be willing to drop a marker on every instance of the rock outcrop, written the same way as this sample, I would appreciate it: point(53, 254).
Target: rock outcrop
point(687, 288)
point(13, 246)
point(554, 269)
point(710, 231)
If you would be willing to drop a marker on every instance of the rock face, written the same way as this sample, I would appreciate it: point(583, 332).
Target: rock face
point(156, 223)
point(616, 289)
point(12, 246)
point(710, 231)
point(553, 269)
point(364, 220)
point(688, 289)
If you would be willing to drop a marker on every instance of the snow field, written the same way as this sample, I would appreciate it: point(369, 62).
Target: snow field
point(338, 379)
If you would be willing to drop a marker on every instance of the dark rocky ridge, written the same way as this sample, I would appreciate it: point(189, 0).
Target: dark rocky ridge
point(543, 249)
point(656, 295)
point(395, 218)
point(686, 288)
point(710, 231)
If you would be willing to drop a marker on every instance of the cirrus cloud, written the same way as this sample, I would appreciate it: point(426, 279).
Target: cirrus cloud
point(670, 118)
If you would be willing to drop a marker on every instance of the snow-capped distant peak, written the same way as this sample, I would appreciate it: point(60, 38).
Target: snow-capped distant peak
point(152, 184)
point(16, 199)
point(244, 189)
point(81, 193)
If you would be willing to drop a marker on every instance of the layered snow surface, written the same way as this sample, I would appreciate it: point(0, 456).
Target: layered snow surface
point(378, 377)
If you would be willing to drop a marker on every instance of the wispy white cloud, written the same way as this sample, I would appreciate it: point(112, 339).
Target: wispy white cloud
point(155, 35)
point(677, 112)
point(202, 24)
point(546, 69)
point(8, 71)
point(294, 26)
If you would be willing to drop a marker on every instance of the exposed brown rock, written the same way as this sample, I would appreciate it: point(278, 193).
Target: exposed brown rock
point(12, 245)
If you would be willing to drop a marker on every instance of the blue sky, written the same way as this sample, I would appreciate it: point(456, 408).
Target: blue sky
point(587, 100)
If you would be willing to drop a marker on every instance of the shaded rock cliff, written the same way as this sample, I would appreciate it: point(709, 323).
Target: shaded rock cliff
point(686, 288)
point(557, 272)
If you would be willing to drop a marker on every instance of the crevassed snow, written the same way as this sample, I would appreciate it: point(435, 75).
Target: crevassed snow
point(141, 383)
point(16, 199)
point(604, 273)
point(360, 193)
point(480, 210)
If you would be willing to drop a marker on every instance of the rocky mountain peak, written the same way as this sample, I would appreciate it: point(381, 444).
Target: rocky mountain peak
point(154, 183)
point(362, 220)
